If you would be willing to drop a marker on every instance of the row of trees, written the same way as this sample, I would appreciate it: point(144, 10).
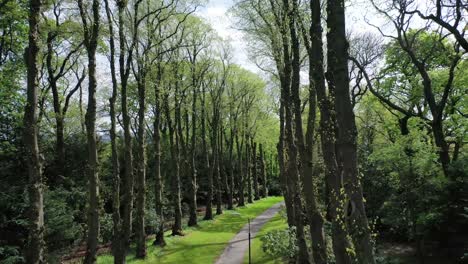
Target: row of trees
point(422, 78)
point(182, 124)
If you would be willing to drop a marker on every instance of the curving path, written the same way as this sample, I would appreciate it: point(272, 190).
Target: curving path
point(239, 245)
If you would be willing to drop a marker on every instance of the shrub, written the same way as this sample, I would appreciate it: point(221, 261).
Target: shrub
point(280, 243)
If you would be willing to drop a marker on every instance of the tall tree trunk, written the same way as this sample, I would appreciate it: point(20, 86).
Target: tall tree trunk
point(241, 172)
point(209, 198)
point(128, 181)
point(141, 168)
point(248, 169)
point(292, 175)
point(59, 126)
point(306, 146)
point(157, 164)
point(223, 176)
point(116, 246)
point(215, 169)
point(231, 171)
point(290, 86)
point(254, 171)
point(282, 167)
point(338, 80)
point(91, 40)
point(263, 172)
point(340, 244)
point(36, 244)
point(193, 179)
point(175, 155)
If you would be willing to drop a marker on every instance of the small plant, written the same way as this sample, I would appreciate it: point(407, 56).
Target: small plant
point(280, 243)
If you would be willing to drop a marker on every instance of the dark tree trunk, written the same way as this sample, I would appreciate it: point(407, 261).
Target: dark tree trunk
point(263, 172)
point(36, 244)
point(231, 170)
point(222, 165)
point(282, 164)
point(175, 160)
point(193, 180)
point(157, 165)
point(254, 171)
point(215, 169)
point(127, 183)
point(209, 199)
point(248, 169)
point(116, 246)
point(338, 80)
point(141, 168)
point(241, 172)
point(59, 142)
point(91, 41)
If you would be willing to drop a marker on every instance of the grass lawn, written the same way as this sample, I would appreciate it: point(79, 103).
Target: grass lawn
point(202, 244)
point(258, 256)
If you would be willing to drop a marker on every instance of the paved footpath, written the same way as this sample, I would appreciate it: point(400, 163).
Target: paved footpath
point(239, 245)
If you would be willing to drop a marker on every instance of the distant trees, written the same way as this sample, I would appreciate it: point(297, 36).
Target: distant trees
point(183, 106)
point(181, 117)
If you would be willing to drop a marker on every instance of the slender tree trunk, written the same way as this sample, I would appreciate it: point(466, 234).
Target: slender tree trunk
point(116, 246)
point(241, 172)
point(248, 171)
point(215, 170)
point(91, 41)
point(254, 171)
point(128, 181)
point(209, 198)
point(223, 175)
point(141, 168)
point(347, 132)
point(231, 171)
point(175, 155)
point(263, 172)
point(292, 174)
point(36, 244)
point(193, 180)
point(281, 162)
point(59, 126)
point(157, 165)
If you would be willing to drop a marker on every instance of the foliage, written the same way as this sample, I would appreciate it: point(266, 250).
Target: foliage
point(280, 243)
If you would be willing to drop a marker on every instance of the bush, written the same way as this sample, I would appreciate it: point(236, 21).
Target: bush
point(10, 255)
point(61, 227)
point(280, 243)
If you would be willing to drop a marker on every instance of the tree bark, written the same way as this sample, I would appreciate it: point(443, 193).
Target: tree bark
point(338, 80)
point(116, 241)
point(248, 169)
point(241, 172)
point(91, 42)
point(193, 179)
point(141, 167)
point(36, 244)
point(263, 173)
point(175, 155)
point(209, 199)
point(254, 171)
point(157, 164)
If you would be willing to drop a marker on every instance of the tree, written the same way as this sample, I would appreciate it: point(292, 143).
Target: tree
point(90, 34)
point(263, 173)
point(57, 69)
point(116, 241)
point(338, 82)
point(35, 252)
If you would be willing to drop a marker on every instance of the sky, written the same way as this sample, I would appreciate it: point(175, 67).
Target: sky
point(215, 12)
